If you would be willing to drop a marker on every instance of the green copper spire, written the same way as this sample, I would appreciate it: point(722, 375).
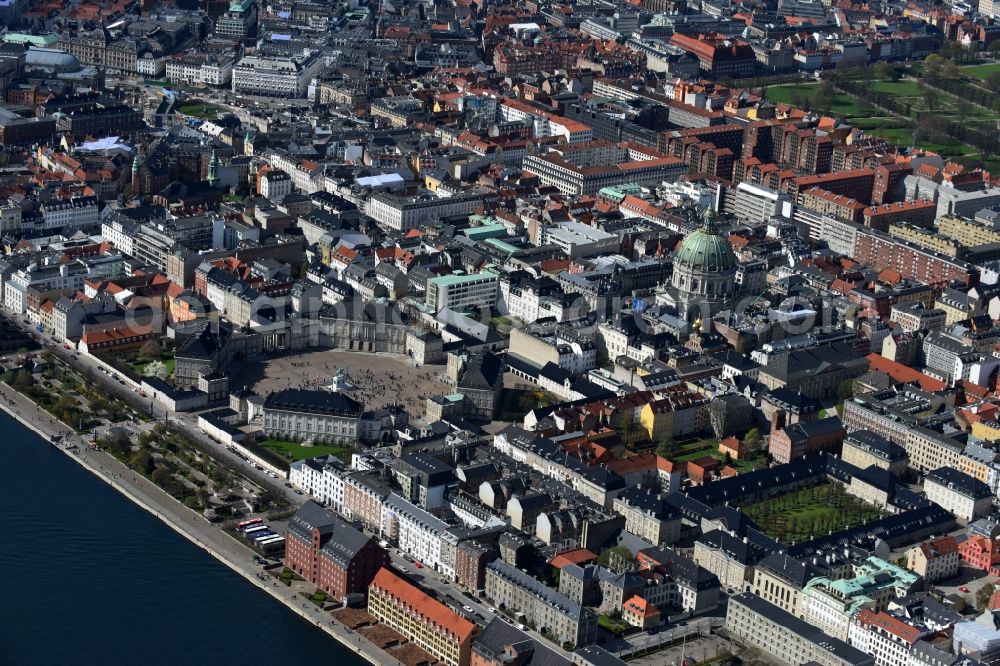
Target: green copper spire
point(213, 169)
point(708, 220)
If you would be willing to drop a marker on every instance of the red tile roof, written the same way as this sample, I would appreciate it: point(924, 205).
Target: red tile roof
point(890, 624)
point(639, 605)
point(903, 373)
point(575, 556)
point(432, 610)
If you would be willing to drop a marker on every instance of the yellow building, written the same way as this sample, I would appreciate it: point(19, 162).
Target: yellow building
point(432, 626)
point(967, 232)
point(925, 237)
point(986, 430)
point(679, 412)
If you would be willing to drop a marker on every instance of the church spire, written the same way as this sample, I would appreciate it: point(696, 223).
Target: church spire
point(213, 169)
point(708, 220)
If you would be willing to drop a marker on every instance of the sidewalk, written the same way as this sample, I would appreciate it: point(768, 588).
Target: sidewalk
point(194, 527)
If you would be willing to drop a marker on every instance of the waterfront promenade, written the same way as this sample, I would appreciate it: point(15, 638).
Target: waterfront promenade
point(192, 526)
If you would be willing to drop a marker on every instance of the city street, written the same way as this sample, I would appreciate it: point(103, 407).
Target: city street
point(628, 645)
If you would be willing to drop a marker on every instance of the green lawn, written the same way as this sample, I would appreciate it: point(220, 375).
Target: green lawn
point(613, 625)
point(843, 105)
point(292, 451)
point(688, 454)
point(801, 515)
point(140, 366)
point(981, 71)
point(710, 448)
point(903, 136)
point(877, 122)
point(204, 111)
point(907, 88)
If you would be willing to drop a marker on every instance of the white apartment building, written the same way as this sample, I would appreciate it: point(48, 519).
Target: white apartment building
point(755, 203)
point(407, 212)
point(121, 233)
point(570, 178)
point(965, 496)
point(462, 291)
point(70, 275)
point(199, 69)
point(581, 240)
point(321, 477)
point(77, 213)
point(276, 76)
point(274, 184)
point(545, 124)
point(303, 179)
point(827, 609)
point(150, 66)
point(10, 217)
point(525, 303)
point(416, 532)
point(888, 639)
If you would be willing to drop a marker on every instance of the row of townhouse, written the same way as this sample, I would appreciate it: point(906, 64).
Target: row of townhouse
point(69, 275)
point(537, 605)
point(369, 498)
point(598, 483)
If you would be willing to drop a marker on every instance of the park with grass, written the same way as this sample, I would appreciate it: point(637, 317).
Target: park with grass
point(202, 110)
point(142, 366)
point(806, 513)
point(615, 625)
point(292, 451)
point(937, 105)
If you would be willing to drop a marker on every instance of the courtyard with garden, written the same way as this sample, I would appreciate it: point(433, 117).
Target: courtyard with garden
point(809, 512)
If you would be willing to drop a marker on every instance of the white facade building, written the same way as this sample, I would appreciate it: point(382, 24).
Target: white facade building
point(200, 70)
point(318, 416)
point(888, 639)
point(416, 532)
point(275, 76)
point(408, 212)
point(463, 291)
point(966, 497)
point(321, 477)
point(77, 213)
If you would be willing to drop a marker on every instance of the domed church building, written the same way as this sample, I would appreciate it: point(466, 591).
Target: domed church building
point(704, 274)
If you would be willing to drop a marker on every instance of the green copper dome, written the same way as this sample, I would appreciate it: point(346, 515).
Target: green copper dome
point(706, 249)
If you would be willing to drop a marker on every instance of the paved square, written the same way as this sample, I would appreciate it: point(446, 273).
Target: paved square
point(377, 379)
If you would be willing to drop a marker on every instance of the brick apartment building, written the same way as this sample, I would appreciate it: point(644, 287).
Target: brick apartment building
point(857, 184)
point(717, 54)
point(800, 439)
point(330, 553)
point(889, 183)
point(912, 261)
point(836, 205)
point(920, 213)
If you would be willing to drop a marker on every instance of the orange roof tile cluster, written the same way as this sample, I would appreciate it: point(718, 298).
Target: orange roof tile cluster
point(640, 606)
point(432, 610)
point(116, 334)
point(902, 373)
point(575, 556)
point(889, 624)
